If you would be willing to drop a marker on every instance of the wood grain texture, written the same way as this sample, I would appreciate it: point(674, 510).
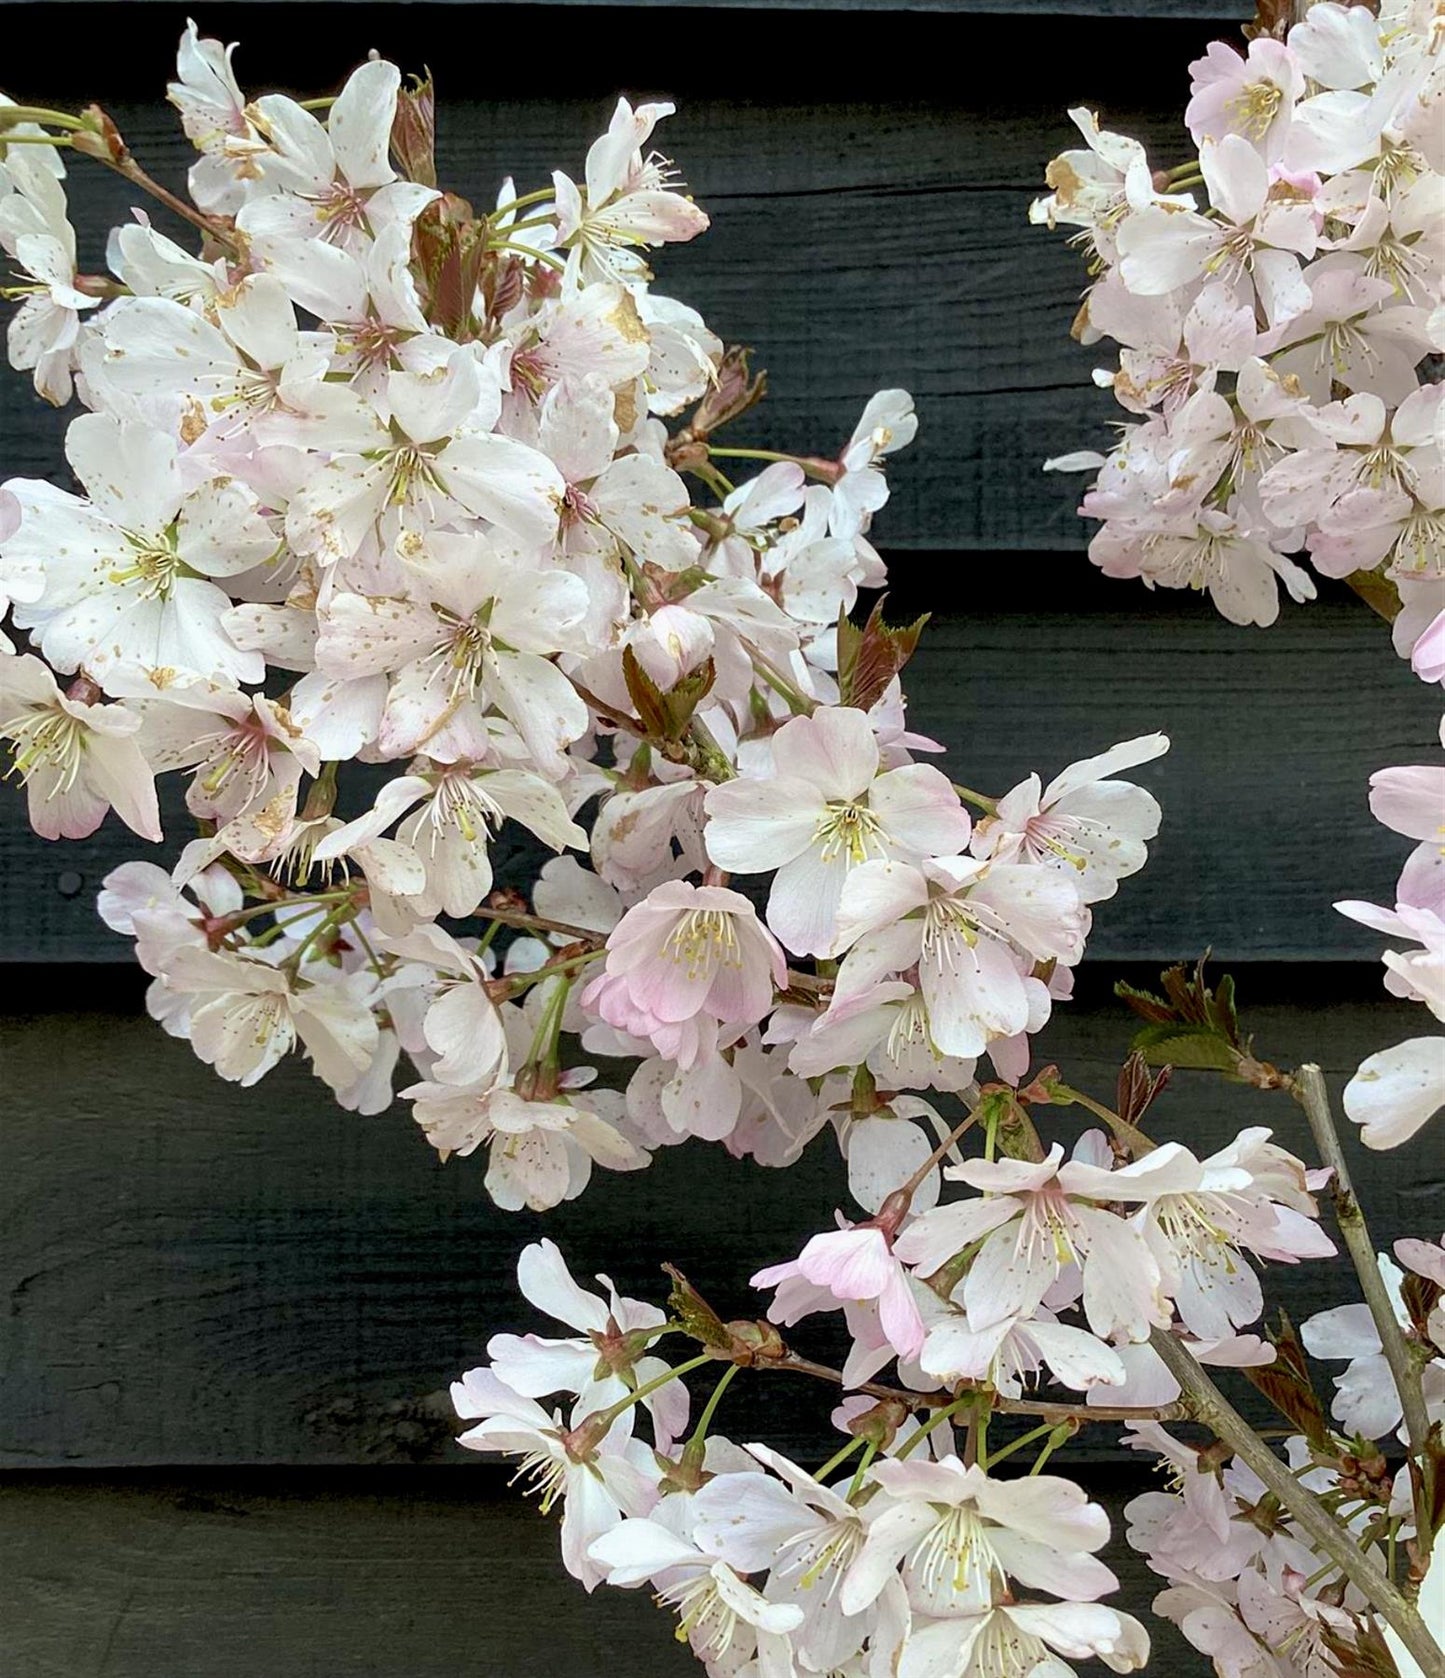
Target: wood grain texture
point(344, 1575)
point(193, 1273)
point(1264, 793)
point(860, 239)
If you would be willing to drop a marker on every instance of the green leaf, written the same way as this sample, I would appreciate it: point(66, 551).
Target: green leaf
point(1183, 1043)
point(665, 715)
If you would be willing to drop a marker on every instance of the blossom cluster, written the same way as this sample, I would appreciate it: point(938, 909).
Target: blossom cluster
point(1246, 1591)
point(1273, 299)
point(380, 537)
point(396, 522)
point(883, 1562)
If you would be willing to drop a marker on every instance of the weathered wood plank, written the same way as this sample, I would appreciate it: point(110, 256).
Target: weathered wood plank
point(876, 237)
point(325, 1574)
point(192, 1273)
point(1259, 839)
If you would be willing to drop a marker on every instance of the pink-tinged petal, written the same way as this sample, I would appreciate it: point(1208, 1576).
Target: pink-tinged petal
point(852, 1263)
point(1079, 1629)
point(1080, 1578)
point(1009, 1278)
point(754, 826)
point(1121, 1278)
point(883, 1152)
point(891, 949)
point(746, 1519)
point(875, 895)
point(1008, 1176)
point(890, 1537)
point(834, 750)
point(954, 1351)
point(58, 811)
point(803, 902)
point(640, 1549)
point(1366, 1401)
point(1410, 801)
point(935, 1237)
point(900, 1317)
point(547, 1283)
point(480, 1393)
point(974, 992)
point(535, 1367)
point(1396, 1091)
point(1080, 1360)
point(463, 1028)
point(704, 1101)
point(920, 811)
point(1129, 754)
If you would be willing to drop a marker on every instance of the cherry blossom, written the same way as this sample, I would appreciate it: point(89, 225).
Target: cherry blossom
point(396, 523)
point(77, 758)
point(822, 812)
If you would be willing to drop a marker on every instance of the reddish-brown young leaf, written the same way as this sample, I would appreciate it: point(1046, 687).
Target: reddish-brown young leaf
point(869, 658)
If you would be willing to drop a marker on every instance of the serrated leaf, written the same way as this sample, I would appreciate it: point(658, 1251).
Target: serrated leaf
point(1180, 1043)
point(1221, 1009)
point(1144, 1003)
point(1137, 1089)
point(1287, 1385)
point(665, 715)
point(646, 696)
point(869, 658)
point(693, 1313)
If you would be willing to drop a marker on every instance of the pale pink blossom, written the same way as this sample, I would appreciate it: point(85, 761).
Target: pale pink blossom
point(848, 1265)
point(1034, 1221)
point(824, 811)
point(76, 759)
point(599, 1484)
point(1086, 823)
point(973, 929)
point(961, 1535)
point(687, 955)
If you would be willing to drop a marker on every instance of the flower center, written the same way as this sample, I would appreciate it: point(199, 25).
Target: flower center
point(543, 1476)
point(1256, 108)
point(338, 207)
point(1047, 835)
point(1188, 1227)
point(824, 1555)
point(1002, 1650)
point(46, 739)
point(411, 469)
point(705, 1619)
point(1420, 546)
point(153, 568)
point(909, 1030)
point(851, 830)
point(955, 1555)
point(243, 750)
point(1195, 562)
point(702, 940)
point(462, 651)
point(371, 341)
point(460, 803)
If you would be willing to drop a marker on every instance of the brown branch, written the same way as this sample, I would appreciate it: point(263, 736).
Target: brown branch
point(1043, 1409)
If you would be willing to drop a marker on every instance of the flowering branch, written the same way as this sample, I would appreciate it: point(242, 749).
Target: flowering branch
point(1210, 1407)
point(1309, 1089)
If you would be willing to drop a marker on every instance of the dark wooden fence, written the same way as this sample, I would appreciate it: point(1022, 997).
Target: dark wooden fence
point(227, 1318)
